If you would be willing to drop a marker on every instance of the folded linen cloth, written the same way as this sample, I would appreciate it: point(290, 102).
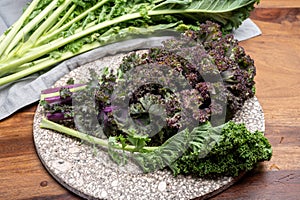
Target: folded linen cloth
point(26, 91)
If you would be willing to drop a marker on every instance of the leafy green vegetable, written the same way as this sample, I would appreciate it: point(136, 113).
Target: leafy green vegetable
point(51, 31)
point(201, 76)
point(206, 151)
point(201, 140)
point(122, 104)
point(237, 150)
point(47, 124)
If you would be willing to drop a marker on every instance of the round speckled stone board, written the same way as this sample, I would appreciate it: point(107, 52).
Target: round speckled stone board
point(88, 171)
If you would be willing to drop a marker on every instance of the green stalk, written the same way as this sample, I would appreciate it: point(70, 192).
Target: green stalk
point(16, 27)
point(47, 48)
point(62, 20)
point(54, 45)
point(29, 64)
point(40, 64)
point(41, 29)
point(7, 64)
point(50, 36)
point(2, 37)
point(35, 53)
point(47, 62)
point(47, 124)
point(26, 29)
point(44, 49)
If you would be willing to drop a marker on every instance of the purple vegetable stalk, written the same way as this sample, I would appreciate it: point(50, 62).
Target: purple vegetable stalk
point(58, 100)
point(57, 89)
point(59, 116)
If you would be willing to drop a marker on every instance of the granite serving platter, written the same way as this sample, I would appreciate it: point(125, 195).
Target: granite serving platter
point(88, 171)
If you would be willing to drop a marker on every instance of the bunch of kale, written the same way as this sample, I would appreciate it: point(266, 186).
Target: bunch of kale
point(170, 106)
point(211, 74)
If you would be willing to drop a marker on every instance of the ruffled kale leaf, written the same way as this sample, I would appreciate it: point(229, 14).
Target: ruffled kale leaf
point(208, 151)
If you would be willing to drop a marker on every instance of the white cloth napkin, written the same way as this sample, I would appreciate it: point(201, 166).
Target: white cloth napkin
point(26, 91)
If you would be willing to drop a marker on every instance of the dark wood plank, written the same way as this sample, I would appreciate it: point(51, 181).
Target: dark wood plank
point(278, 15)
point(279, 4)
point(276, 55)
point(275, 185)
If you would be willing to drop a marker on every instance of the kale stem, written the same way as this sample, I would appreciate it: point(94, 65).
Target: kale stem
point(28, 27)
point(48, 37)
point(62, 20)
point(42, 28)
point(47, 48)
point(47, 62)
point(2, 37)
point(16, 27)
point(35, 53)
point(47, 124)
point(43, 63)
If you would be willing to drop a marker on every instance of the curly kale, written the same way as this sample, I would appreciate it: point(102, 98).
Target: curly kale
point(201, 76)
point(237, 150)
point(211, 74)
point(204, 55)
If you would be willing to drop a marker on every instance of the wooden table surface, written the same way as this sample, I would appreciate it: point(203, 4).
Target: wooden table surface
point(277, 57)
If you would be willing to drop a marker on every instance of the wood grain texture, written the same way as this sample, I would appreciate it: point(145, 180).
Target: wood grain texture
point(279, 4)
point(277, 58)
point(263, 185)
